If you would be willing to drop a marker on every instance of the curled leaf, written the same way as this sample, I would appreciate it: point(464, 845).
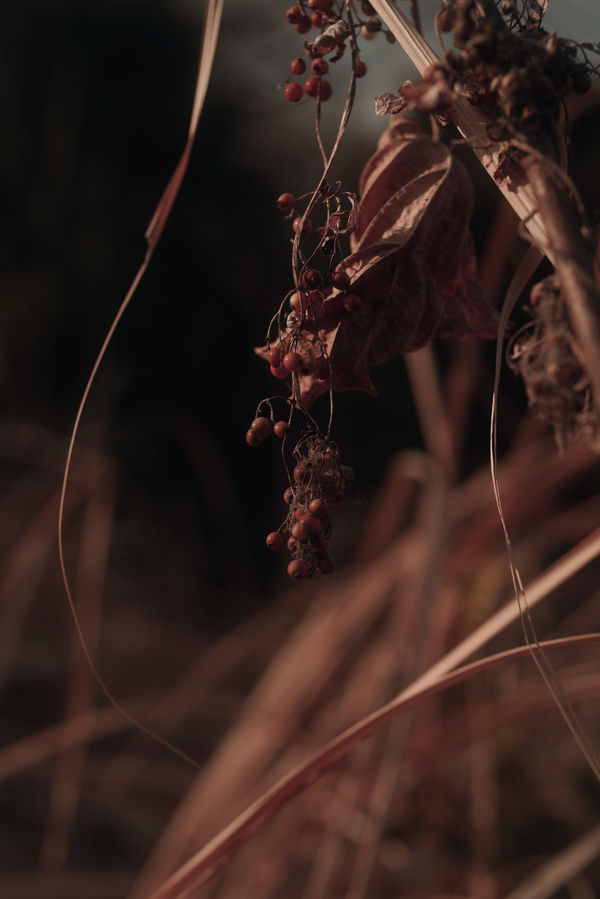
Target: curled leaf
point(412, 265)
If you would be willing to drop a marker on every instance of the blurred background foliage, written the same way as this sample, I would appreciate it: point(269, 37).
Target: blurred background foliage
point(95, 103)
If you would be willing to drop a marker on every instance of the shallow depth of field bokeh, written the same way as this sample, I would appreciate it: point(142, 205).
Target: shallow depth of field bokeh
point(191, 620)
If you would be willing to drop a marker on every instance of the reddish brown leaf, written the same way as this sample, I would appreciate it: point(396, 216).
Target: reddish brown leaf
point(412, 264)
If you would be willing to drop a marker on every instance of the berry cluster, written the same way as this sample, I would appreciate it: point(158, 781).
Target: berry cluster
point(318, 482)
point(335, 33)
point(296, 347)
point(545, 353)
point(510, 66)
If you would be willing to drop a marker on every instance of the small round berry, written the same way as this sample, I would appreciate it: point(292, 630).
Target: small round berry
point(352, 303)
point(274, 356)
point(293, 361)
point(262, 426)
point(446, 18)
point(320, 66)
point(303, 25)
point(253, 438)
point(288, 495)
point(318, 507)
point(286, 202)
point(293, 545)
point(312, 279)
point(274, 540)
point(298, 66)
point(298, 569)
point(325, 92)
point(316, 298)
point(390, 38)
point(360, 69)
point(299, 513)
point(293, 92)
point(316, 19)
point(300, 531)
point(340, 280)
point(294, 14)
point(299, 473)
point(369, 34)
point(311, 523)
point(280, 429)
point(311, 85)
point(278, 371)
point(299, 302)
point(306, 225)
point(320, 5)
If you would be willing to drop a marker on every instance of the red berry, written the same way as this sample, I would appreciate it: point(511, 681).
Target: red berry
point(303, 25)
point(280, 429)
point(325, 91)
point(298, 569)
point(312, 524)
point(294, 14)
point(340, 280)
point(262, 426)
point(317, 297)
point(274, 356)
point(352, 303)
point(306, 225)
point(316, 19)
point(253, 438)
point(288, 496)
point(311, 85)
point(446, 18)
point(278, 371)
point(298, 66)
point(299, 514)
point(320, 66)
point(274, 540)
point(320, 5)
point(299, 302)
point(293, 545)
point(319, 508)
point(299, 473)
point(312, 279)
point(293, 92)
point(286, 202)
point(300, 531)
point(293, 361)
point(360, 69)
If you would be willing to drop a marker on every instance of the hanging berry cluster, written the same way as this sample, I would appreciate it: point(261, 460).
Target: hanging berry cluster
point(322, 295)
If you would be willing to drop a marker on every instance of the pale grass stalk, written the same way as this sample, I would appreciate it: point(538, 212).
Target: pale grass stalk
point(470, 121)
point(563, 867)
point(431, 410)
point(212, 21)
point(205, 863)
point(213, 855)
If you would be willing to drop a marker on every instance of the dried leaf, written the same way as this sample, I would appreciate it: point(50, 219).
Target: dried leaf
point(412, 265)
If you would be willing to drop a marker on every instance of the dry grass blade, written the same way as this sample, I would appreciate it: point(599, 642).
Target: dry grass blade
point(549, 877)
point(210, 859)
point(206, 862)
point(470, 121)
point(153, 233)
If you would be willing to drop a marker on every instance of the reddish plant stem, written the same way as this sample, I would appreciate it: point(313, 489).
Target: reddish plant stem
point(572, 259)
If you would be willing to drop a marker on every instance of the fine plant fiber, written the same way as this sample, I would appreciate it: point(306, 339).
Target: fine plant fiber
point(212, 23)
